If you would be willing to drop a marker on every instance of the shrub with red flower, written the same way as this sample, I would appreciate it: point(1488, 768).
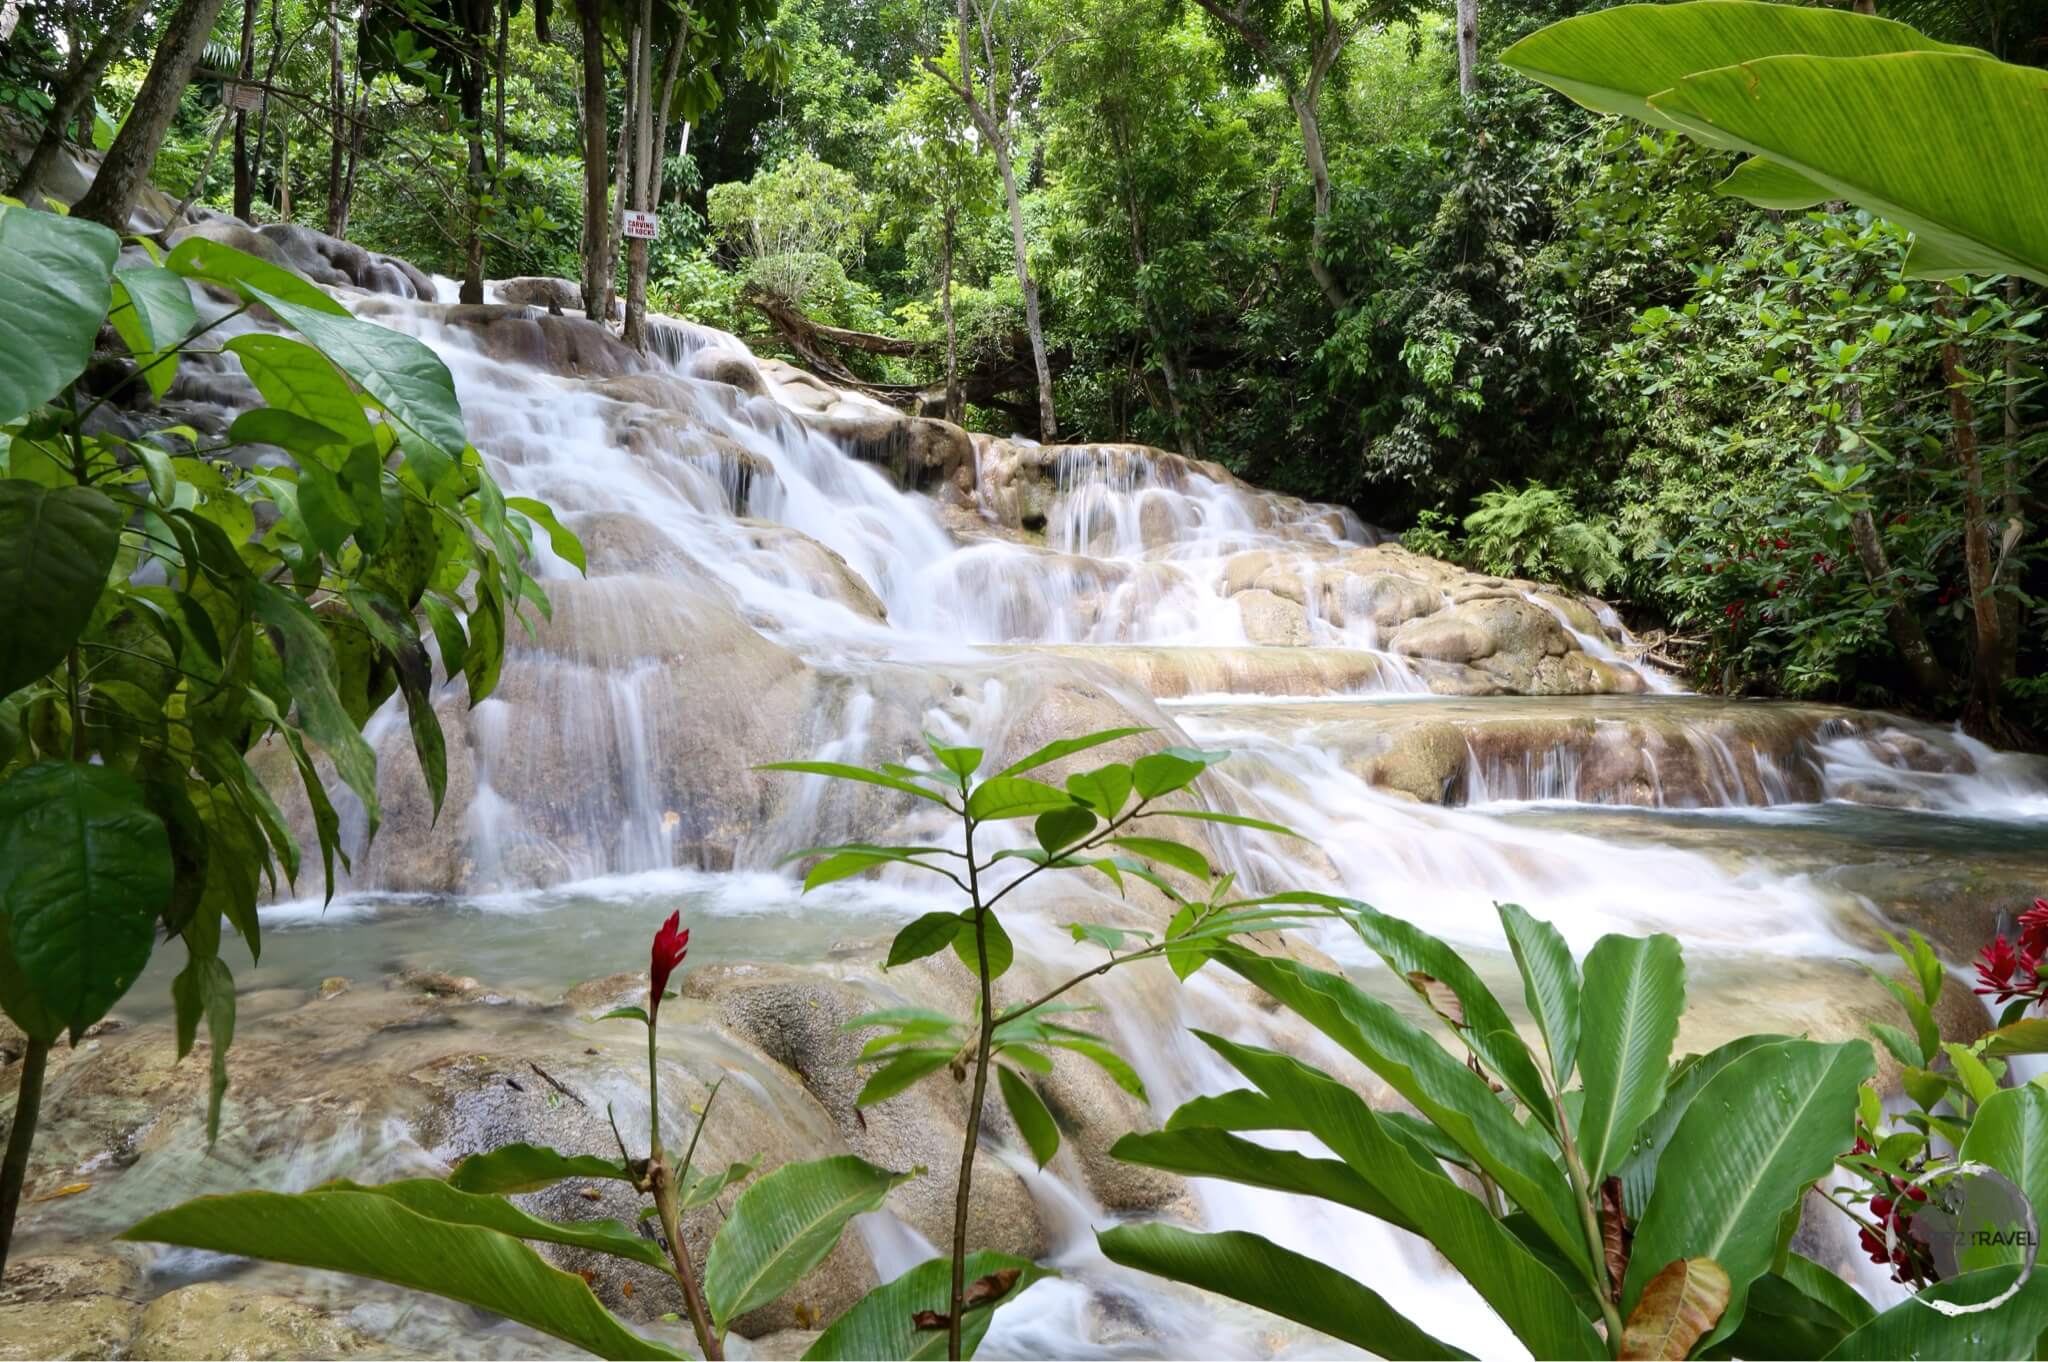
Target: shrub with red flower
point(671, 944)
point(2009, 972)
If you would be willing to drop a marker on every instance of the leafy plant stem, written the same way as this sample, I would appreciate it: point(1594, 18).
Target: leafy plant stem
point(1582, 1192)
point(662, 1183)
point(27, 1105)
point(961, 1197)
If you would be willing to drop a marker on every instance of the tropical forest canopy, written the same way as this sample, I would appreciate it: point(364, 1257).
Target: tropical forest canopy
point(1318, 244)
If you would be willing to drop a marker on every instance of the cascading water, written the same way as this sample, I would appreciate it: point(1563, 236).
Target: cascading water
point(757, 592)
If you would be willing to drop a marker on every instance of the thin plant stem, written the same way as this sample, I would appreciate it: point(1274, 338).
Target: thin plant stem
point(14, 1171)
point(962, 1196)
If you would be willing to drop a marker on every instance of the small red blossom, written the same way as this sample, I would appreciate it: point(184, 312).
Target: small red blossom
point(2006, 972)
point(671, 944)
point(1781, 544)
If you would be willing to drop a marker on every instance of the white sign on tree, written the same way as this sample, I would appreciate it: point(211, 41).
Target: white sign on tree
point(641, 226)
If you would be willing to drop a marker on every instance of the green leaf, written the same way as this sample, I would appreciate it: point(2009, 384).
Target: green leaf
point(311, 407)
point(152, 311)
point(1061, 828)
point(1235, 819)
point(1634, 991)
point(216, 986)
point(567, 546)
point(1638, 1172)
point(961, 761)
point(1066, 747)
point(1104, 1058)
point(882, 1323)
point(311, 676)
point(2010, 1133)
point(1939, 142)
point(57, 546)
point(1924, 1030)
point(1520, 1287)
point(1197, 1152)
point(1448, 1093)
point(1104, 789)
point(407, 379)
point(783, 1226)
point(1027, 1109)
point(1238, 1109)
point(1550, 985)
point(1767, 184)
point(1976, 1079)
point(55, 285)
point(2028, 1036)
point(841, 771)
point(1181, 857)
point(902, 1070)
point(1255, 1270)
point(1615, 60)
point(1000, 951)
point(250, 276)
point(436, 1200)
point(701, 1189)
point(449, 640)
point(377, 1236)
point(1912, 1328)
point(1757, 1133)
point(1408, 949)
point(1015, 797)
point(85, 868)
point(1170, 770)
point(511, 1169)
point(929, 935)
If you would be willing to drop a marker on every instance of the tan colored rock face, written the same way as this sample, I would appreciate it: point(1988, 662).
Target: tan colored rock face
point(1272, 621)
point(213, 1322)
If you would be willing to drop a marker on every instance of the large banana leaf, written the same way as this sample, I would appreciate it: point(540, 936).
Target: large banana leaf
point(1944, 143)
point(883, 1323)
point(1199, 1153)
point(1635, 989)
point(377, 1236)
point(1550, 985)
point(1768, 1124)
point(1614, 60)
point(1259, 1272)
point(1521, 1288)
point(1449, 1094)
point(2010, 1133)
point(1638, 1172)
point(1912, 1328)
point(783, 1226)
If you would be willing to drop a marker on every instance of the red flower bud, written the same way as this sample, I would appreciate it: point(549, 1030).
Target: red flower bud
point(671, 944)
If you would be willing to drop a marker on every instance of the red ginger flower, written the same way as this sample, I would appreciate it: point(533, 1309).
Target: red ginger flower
point(1996, 964)
point(671, 944)
point(2034, 929)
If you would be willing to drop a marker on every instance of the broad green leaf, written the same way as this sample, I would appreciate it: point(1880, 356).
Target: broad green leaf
point(302, 436)
point(436, 1200)
point(311, 675)
point(882, 1324)
point(1235, 819)
point(57, 546)
point(1170, 770)
point(511, 1169)
point(1941, 142)
point(1238, 1109)
point(2028, 1036)
point(1550, 985)
point(929, 935)
point(1104, 1058)
point(1181, 857)
point(152, 311)
point(1408, 949)
point(1634, 991)
point(377, 1236)
point(55, 284)
point(1448, 1093)
point(1255, 1270)
point(1913, 1328)
point(299, 384)
point(1061, 828)
point(841, 771)
point(1638, 1172)
point(1767, 184)
point(1104, 789)
point(1000, 951)
point(1925, 1032)
point(2010, 1133)
point(961, 761)
point(1027, 1109)
point(1015, 797)
point(407, 379)
point(902, 1070)
point(1977, 1080)
point(1615, 60)
point(1678, 1306)
point(783, 1226)
point(1520, 1286)
point(1066, 747)
point(701, 1189)
point(567, 546)
point(1197, 1152)
point(250, 276)
point(1756, 1134)
point(85, 868)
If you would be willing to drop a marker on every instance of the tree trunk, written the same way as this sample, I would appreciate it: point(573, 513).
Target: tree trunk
point(74, 99)
point(498, 114)
point(2009, 489)
point(1169, 364)
point(597, 214)
point(1319, 176)
point(956, 406)
point(1987, 662)
point(284, 172)
point(635, 333)
point(360, 105)
point(245, 179)
point(472, 96)
point(1048, 423)
point(112, 196)
point(1468, 47)
point(1923, 667)
point(337, 130)
point(621, 162)
point(269, 79)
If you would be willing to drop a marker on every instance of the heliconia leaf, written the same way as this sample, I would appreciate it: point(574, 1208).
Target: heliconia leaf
point(1066, 747)
point(841, 771)
point(1027, 1109)
point(1195, 1152)
point(1917, 1327)
point(1768, 184)
point(1638, 1171)
point(1616, 1232)
point(1238, 1109)
point(379, 1237)
point(1255, 1270)
point(514, 1168)
point(1678, 1305)
point(884, 1323)
point(1550, 985)
point(1633, 994)
point(628, 1013)
point(783, 1226)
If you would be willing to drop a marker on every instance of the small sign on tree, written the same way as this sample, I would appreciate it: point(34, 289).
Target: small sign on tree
point(236, 95)
point(642, 226)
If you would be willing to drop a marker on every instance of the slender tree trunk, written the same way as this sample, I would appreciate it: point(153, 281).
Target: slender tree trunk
point(2009, 489)
point(1169, 363)
point(472, 96)
point(1980, 713)
point(360, 104)
point(597, 214)
point(620, 164)
point(1319, 178)
point(112, 196)
point(337, 113)
point(1468, 47)
point(74, 100)
point(245, 179)
point(1909, 639)
point(1048, 423)
point(498, 114)
point(269, 79)
point(956, 403)
point(635, 333)
point(284, 172)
